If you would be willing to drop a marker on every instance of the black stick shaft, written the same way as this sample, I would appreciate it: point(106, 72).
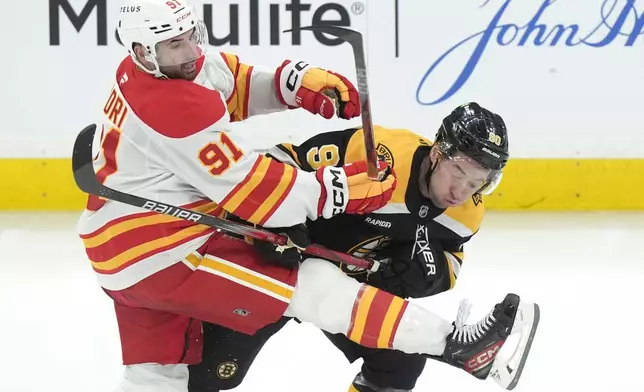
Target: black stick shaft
point(354, 38)
point(87, 181)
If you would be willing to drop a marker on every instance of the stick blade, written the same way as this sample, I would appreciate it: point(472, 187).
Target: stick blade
point(340, 32)
point(83, 162)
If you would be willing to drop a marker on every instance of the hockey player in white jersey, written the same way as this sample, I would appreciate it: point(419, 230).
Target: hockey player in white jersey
point(165, 136)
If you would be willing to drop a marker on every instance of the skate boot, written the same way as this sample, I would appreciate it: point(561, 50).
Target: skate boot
point(360, 384)
point(475, 348)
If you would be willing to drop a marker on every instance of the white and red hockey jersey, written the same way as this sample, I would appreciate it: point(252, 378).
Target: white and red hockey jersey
point(169, 140)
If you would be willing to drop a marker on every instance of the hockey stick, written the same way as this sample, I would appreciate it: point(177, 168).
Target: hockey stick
point(354, 38)
point(85, 178)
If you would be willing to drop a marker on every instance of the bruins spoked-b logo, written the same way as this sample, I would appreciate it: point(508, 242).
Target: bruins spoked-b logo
point(363, 250)
point(384, 154)
point(226, 370)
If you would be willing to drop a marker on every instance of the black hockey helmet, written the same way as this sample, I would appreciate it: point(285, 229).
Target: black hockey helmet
point(478, 133)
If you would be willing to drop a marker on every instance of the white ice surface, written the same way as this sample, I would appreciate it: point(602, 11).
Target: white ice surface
point(58, 332)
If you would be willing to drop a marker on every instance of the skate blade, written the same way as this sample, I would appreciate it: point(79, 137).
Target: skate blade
point(507, 372)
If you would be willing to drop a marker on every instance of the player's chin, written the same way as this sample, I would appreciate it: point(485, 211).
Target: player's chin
point(449, 204)
point(189, 70)
point(437, 201)
point(189, 75)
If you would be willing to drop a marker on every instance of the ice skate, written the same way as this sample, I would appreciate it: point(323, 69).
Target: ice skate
point(477, 348)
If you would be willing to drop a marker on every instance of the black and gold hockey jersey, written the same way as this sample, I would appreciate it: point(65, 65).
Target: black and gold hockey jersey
point(410, 229)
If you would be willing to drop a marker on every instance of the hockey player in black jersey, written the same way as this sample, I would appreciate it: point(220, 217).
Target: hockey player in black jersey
point(418, 238)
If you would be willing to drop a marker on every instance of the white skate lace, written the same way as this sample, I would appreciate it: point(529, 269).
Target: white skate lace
point(470, 333)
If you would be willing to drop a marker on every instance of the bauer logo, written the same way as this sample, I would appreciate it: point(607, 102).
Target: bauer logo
point(491, 152)
point(545, 25)
point(172, 211)
point(229, 22)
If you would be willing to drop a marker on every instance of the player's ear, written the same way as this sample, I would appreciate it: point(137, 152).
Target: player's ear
point(139, 51)
point(141, 55)
point(434, 155)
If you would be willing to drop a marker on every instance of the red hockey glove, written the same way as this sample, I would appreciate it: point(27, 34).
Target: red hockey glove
point(322, 92)
point(349, 190)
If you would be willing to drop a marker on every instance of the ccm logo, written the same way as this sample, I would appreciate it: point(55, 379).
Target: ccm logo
point(182, 17)
point(484, 358)
point(294, 75)
point(337, 191)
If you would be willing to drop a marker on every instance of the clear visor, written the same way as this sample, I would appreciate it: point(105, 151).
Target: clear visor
point(466, 172)
point(183, 49)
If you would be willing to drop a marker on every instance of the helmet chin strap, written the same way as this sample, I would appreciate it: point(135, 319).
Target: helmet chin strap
point(157, 72)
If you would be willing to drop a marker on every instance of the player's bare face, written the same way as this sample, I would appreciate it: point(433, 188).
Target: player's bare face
point(177, 57)
point(455, 180)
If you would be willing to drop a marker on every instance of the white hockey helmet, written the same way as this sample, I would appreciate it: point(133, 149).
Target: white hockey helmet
point(148, 22)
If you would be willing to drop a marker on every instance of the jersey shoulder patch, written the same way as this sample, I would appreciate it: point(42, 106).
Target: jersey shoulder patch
point(384, 153)
point(477, 199)
point(390, 145)
point(398, 148)
point(174, 108)
point(397, 141)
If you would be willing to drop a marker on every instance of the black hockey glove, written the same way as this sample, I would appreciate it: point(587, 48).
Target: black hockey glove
point(412, 270)
point(288, 255)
